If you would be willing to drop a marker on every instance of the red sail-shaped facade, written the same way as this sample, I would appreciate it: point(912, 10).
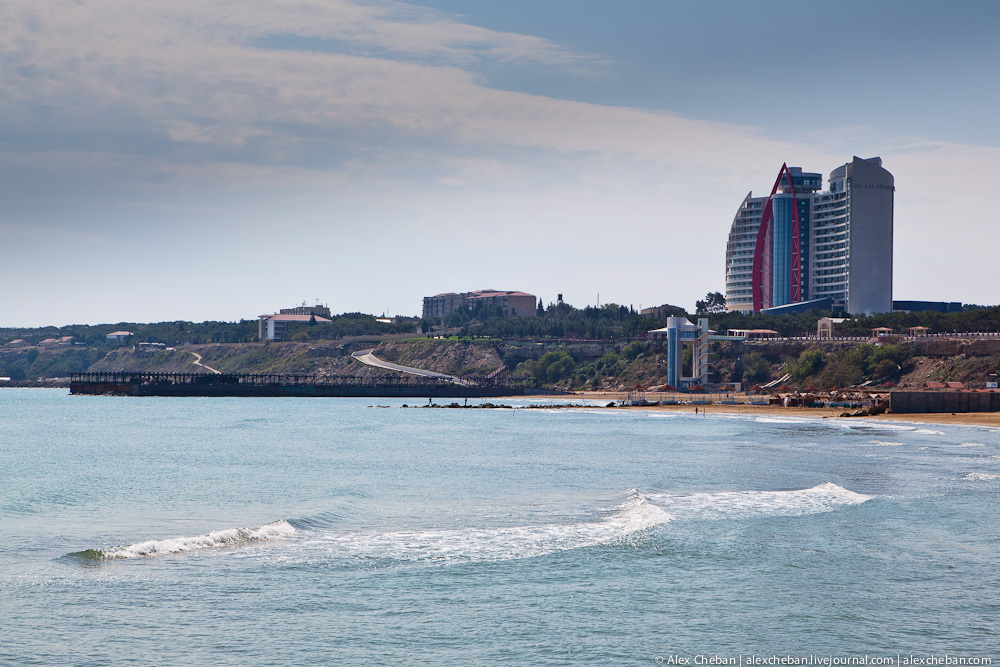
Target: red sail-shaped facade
point(762, 257)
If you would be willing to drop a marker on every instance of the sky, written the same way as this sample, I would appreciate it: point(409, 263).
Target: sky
point(182, 160)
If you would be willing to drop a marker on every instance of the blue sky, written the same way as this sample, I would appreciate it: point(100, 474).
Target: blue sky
point(186, 160)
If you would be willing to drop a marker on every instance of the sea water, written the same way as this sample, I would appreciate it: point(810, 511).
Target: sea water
point(215, 531)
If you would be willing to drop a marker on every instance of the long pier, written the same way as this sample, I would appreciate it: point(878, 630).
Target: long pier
point(127, 383)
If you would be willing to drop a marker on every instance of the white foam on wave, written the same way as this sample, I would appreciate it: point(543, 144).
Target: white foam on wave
point(970, 444)
point(886, 443)
point(454, 545)
point(854, 423)
point(980, 477)
point(746, 504)
point(777, 420)
point(928, 431)
point(219, 538)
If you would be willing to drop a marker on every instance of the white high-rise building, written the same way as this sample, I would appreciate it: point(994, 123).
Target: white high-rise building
point(799, 245)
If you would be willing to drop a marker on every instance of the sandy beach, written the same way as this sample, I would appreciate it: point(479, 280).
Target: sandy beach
point(989, 419)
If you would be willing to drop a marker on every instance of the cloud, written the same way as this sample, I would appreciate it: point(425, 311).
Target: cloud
point(252, 127)
point(189, 72)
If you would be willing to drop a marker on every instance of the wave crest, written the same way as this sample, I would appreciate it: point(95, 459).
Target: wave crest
point(980, 477)
point(743, 504)
point(445, 546)
point(219, 538)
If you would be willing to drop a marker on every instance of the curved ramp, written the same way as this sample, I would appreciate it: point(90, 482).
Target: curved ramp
point(366, 357)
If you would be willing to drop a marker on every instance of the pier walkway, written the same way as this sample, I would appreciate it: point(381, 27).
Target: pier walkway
point(126, 383)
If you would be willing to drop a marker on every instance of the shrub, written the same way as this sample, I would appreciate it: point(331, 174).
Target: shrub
point(755, 368)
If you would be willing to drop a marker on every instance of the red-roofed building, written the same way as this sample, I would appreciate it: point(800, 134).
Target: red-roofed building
point(931, 384)
point(520, 304)
point(955, 385)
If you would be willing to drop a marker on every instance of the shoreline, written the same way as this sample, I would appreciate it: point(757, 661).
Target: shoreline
point(986, 419)
point(981, 419)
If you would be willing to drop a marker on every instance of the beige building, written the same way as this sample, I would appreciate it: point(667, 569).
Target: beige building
point(519, 304)
point(318, 310)
point(826, 327)
point(119, 336)
point(274, 327)
point(440, 305)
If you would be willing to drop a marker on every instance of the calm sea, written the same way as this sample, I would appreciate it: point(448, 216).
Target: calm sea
point(329, 532)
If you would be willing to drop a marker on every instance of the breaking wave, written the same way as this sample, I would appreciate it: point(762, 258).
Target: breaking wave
point(626, 524)
point(445, 546)
point(980, 477)
point(743, 504)
point(220, 538)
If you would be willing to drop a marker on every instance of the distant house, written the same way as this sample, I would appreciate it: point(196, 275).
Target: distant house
point(826, 327)
point(274, 326)
point(17, 342)
point(661, 312)
point(119, 336)
point(48, 342)
point(66, 340)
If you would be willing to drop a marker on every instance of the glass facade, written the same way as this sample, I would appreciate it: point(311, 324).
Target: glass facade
point(781, 251)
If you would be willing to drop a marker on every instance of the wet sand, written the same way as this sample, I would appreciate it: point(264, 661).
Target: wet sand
point(991, 419)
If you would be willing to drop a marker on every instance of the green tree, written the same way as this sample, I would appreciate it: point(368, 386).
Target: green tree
point(809, 363)
point(886, 370)
point(756, 368)
point(714, 302)
point(633, 350)
point(552, 367)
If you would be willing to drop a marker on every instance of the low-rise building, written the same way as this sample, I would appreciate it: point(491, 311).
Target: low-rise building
point(927, 306)
point(826, 327)
point(511, 303)
point(274, 326)
point(442, 304)
point(119, 336)
point(318, 310)
point(661, 312)
point(17, 342)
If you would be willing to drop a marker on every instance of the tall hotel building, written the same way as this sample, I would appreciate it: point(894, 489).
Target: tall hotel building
point(831, 248)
